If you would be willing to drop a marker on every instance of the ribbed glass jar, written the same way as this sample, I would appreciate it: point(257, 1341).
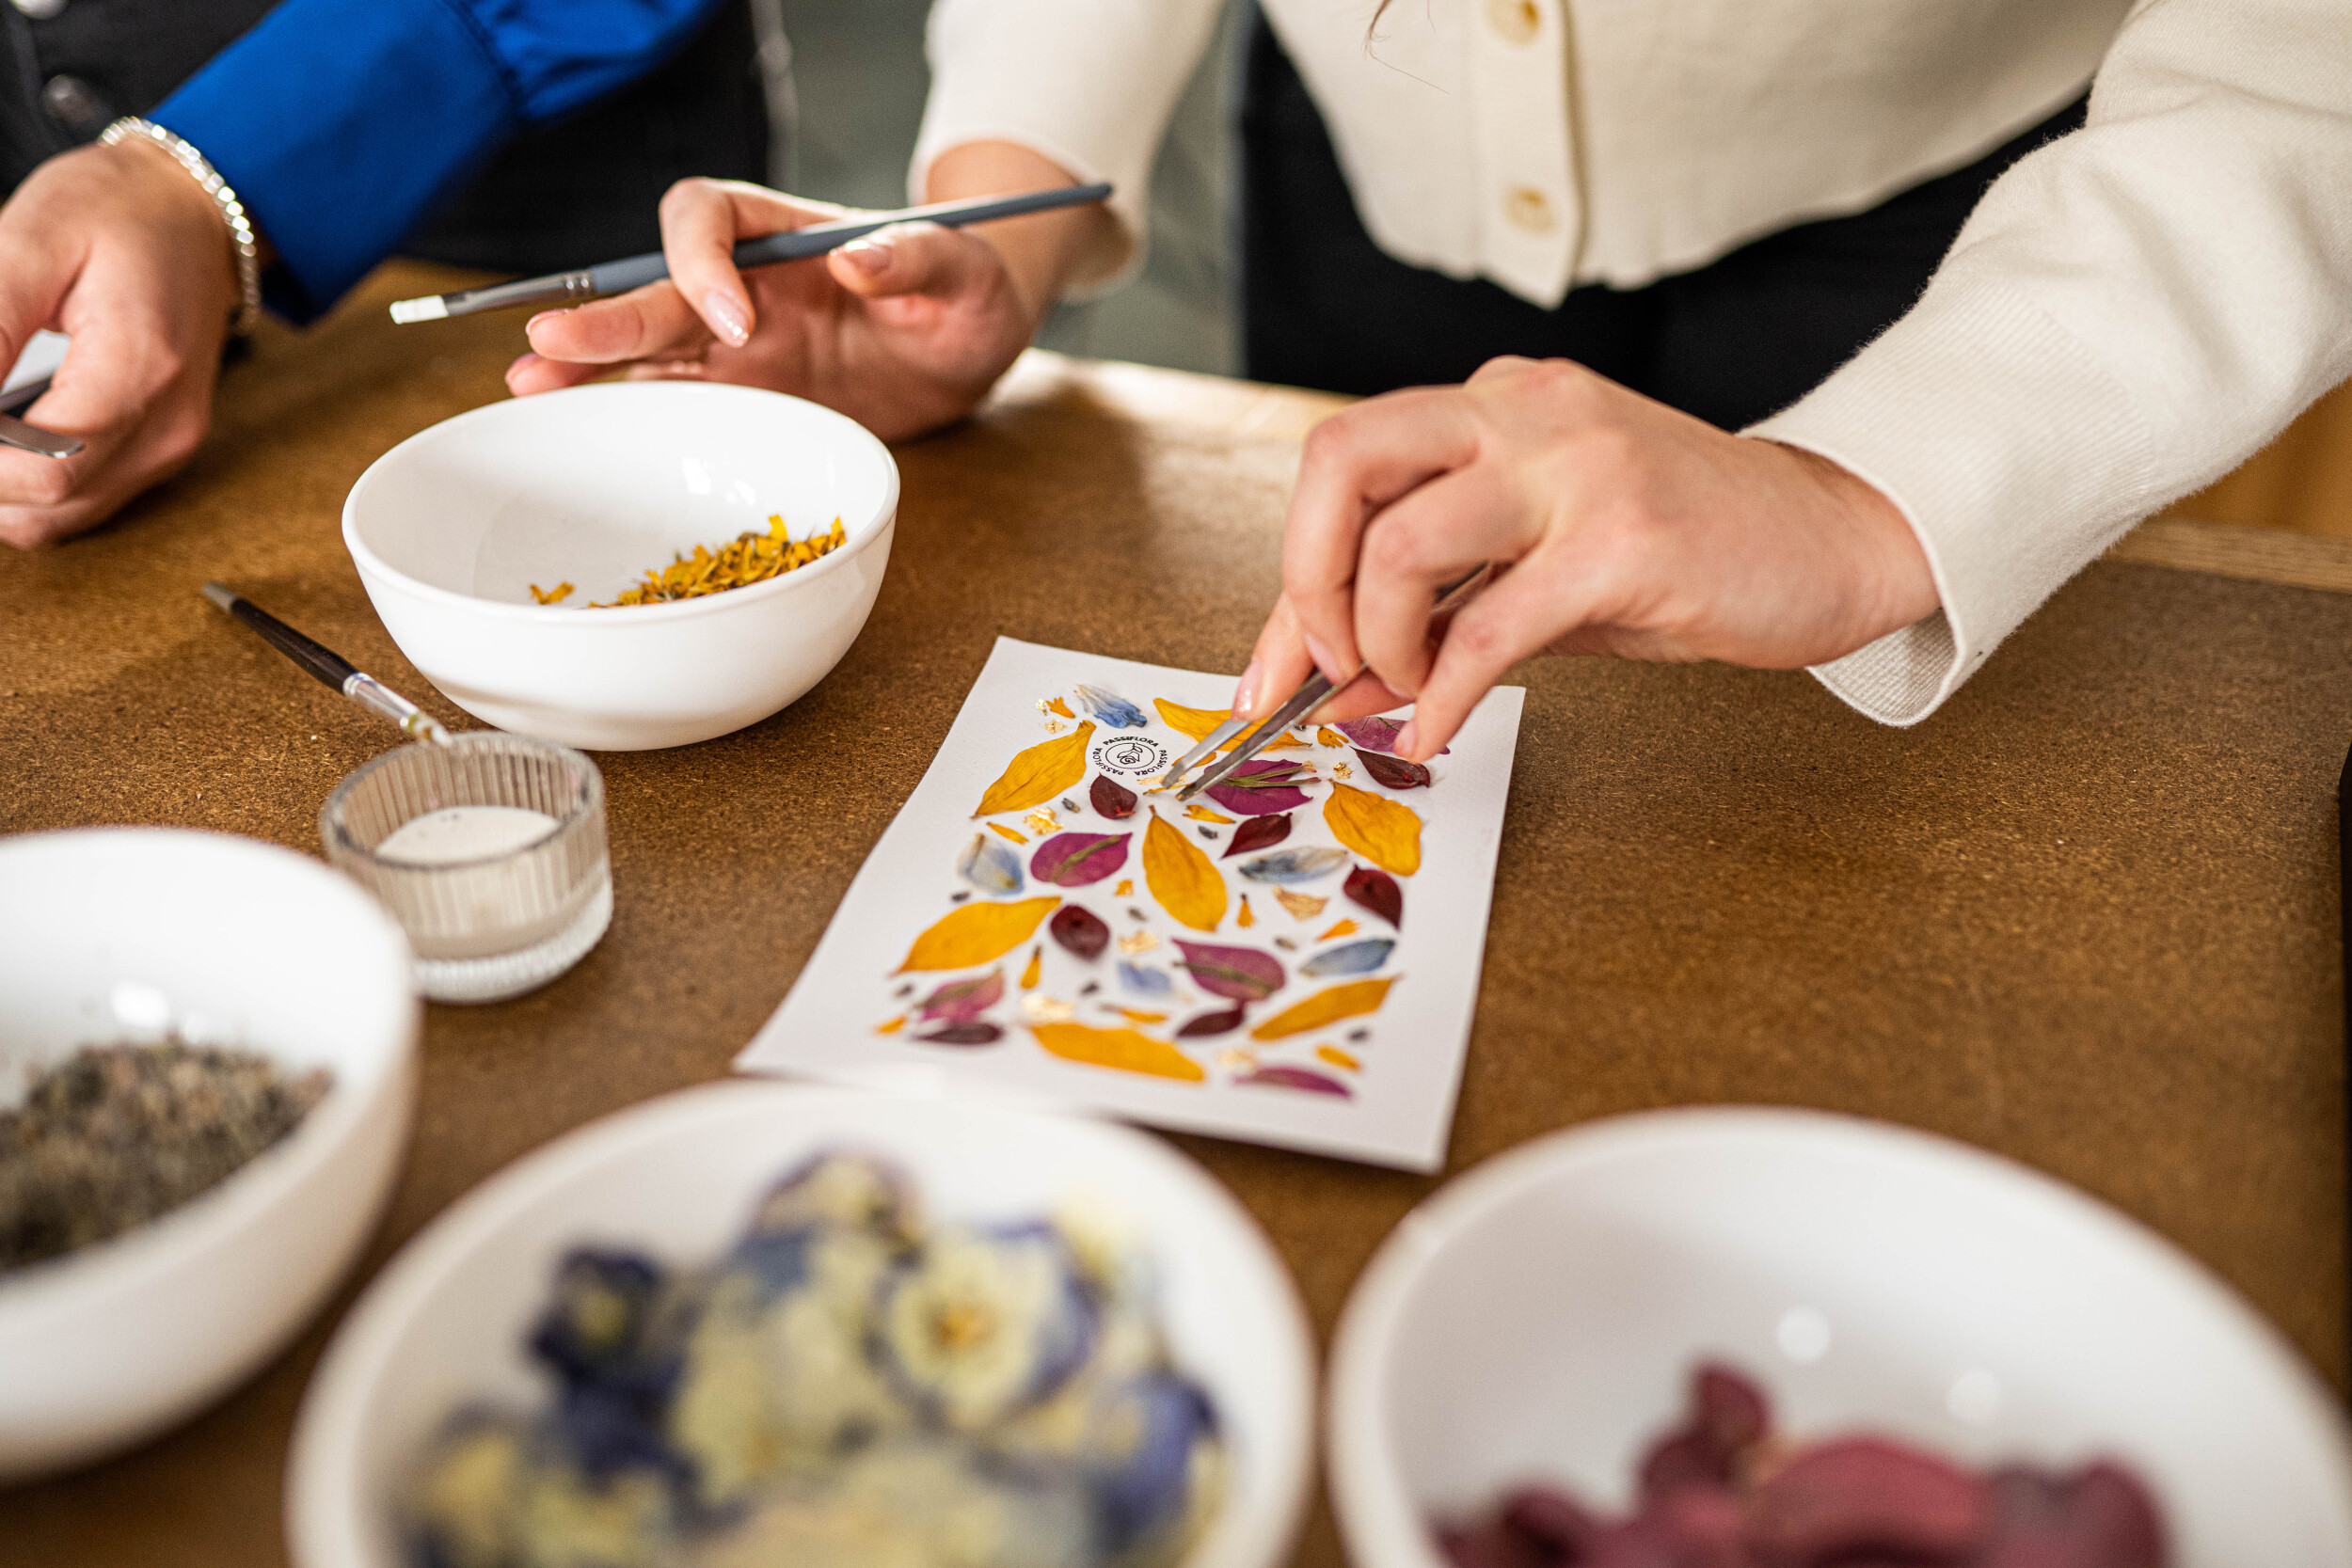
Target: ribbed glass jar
point(489, 851)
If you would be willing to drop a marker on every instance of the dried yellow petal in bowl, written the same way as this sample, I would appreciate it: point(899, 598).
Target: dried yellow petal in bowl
point(749, 558)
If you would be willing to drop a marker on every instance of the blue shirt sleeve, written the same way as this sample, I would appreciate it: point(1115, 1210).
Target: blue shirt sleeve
point(340, 122)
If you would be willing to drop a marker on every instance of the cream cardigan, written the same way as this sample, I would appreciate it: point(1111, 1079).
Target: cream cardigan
point(2131, 312)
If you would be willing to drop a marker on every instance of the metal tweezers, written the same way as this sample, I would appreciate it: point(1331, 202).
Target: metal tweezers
point(1303, 702)
point(31, 437)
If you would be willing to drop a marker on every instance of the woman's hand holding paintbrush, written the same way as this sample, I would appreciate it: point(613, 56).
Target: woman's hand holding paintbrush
point(1621, 526)
point(903, 331)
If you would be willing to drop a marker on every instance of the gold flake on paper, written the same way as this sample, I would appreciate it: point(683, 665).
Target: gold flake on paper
point(1037, 1008)
point(1138, 941)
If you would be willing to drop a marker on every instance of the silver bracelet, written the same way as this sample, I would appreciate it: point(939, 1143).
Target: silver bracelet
point(231, 211)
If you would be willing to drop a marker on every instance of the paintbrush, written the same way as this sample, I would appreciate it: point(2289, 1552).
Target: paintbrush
point(796, 245)
point(330, 668)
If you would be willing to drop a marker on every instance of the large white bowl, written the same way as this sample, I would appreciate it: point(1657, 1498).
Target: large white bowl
point(593, 485)
point(1537, 1319)
point(115, 933)
point(445, 1322)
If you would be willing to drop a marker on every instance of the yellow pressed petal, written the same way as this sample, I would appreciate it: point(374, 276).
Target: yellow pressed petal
point(1039, 774)
point(1202, 814)
point(977, 933)
point(1014, 833)
point(1194, 722)
point(1337, 1057)
point(1245, 918)
point(1135, 1015)
point(1345, 929)
point(1385, 832)
point(1198, 722)
point(1302, 906)
point(1185, 881)
point(1326, 736)
point(1351, 1000)
point(1036, 961)
point(1061, 708)
point(1126, 888)
point(1124, 1050)
point(890, 1028)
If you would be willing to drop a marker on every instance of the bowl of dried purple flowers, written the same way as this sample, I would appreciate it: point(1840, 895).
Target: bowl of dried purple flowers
point(756, 1322)
point(206, 1071)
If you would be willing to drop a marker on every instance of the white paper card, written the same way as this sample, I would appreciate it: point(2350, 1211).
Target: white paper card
point(1036, 1018)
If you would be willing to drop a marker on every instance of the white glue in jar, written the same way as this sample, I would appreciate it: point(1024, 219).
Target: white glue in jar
point(490, 852)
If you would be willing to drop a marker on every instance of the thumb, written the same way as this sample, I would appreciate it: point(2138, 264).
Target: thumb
point(914, 259)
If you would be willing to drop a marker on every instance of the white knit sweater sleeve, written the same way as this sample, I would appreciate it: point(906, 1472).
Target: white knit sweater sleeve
point(2131, 313)
point(1088, 84)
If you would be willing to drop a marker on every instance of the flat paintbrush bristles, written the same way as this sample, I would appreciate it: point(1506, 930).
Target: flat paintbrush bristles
point(430, 308)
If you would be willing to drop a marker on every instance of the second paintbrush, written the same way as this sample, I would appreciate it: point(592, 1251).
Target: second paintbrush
point(796, 245)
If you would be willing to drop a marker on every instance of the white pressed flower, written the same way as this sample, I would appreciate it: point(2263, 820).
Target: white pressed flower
point(842, 1189)
point(985, 1325)
point(465, 1501)
point(822, 1385)
point(568, 1522)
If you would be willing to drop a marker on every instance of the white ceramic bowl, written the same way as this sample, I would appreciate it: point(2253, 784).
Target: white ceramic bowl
point(107, 934)
point(444, 1324)
point(593, 485)
point(1538, 1317)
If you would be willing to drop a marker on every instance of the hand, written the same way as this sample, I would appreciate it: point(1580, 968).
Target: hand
point(903, 331)
point(119, 247)
point(1618, 525)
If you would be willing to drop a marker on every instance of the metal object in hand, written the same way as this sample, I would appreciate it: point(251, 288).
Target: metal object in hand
point(31, 437)
point(1317, 690)
point(794, 245)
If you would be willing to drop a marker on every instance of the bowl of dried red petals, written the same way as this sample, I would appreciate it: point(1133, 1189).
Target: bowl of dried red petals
point(1766, 1339)
point(628, 566)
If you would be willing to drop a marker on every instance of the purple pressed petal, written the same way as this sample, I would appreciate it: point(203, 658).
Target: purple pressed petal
point(1258, 788)
point(1259, 833)
point(1073, 859)
point(1238, 974)
point(1079, 931)
point(1296, 1078)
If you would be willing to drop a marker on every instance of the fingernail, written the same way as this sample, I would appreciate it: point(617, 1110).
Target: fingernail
point(867, 256)
point(1245, 692)
point(1408, 739)
point(532, 323)
point(522, 362)
point(726, 317)
point(1323, 661)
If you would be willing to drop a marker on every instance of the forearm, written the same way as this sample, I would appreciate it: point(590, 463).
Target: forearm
point(1041, 252)
point(1085, 85)
point(2131, 313)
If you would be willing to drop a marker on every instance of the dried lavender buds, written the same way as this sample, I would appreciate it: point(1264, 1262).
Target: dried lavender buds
point(116, 1134)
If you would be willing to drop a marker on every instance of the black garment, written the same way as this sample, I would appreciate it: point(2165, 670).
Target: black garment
point(582, 189)
point(1731, 343)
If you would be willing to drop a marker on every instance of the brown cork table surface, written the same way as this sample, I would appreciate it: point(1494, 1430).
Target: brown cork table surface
point(2087, 916)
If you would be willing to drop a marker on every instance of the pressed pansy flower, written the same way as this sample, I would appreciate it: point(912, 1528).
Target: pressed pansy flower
point(985, 1322)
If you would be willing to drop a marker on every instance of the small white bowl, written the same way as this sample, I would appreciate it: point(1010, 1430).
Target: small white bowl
point(444, 1324)
point(1538, 1318)
point(121, 933)
point(594, 486)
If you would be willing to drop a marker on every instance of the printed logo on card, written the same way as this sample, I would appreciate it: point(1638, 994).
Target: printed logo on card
point(1131, 754)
